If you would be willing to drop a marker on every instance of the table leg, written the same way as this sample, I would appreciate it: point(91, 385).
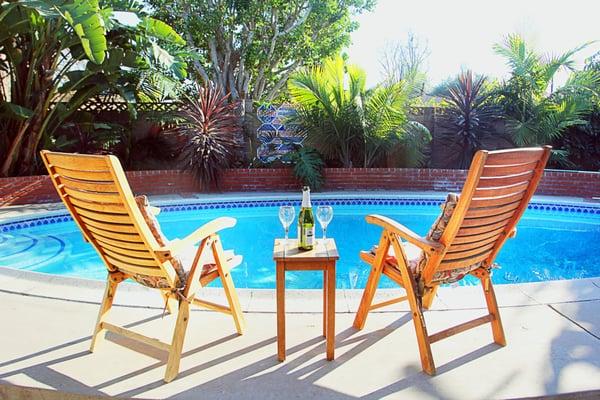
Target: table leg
point(280, 278)
point(325, 303)
point(330, 311)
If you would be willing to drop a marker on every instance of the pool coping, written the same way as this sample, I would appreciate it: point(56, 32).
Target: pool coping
point(29, 283)
point(10, 214)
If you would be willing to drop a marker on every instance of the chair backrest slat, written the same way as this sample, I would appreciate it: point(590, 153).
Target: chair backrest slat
point(129, 251)
point(94, 197)
point(103, 216)
point(446, 265)
point(89, 186)
point(96, 193)
point(505, 190)
point(94, 176)
point(124, 238)
point(497, 190)
point(498, 171)
point(478, 237)
point(99, 207)
point(119, 243)
point(504, 180)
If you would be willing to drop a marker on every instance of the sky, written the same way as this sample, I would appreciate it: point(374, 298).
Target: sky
point(461, 33)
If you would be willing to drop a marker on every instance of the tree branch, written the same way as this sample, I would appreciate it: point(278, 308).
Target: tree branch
point(215, 62)
point(190, 41)
point(282, 81)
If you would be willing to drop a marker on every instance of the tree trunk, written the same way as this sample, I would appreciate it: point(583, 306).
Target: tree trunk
point(12, 155)
point(28, 152)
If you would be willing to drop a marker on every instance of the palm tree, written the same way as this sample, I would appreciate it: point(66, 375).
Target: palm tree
point(327, 109)
point(345, 121)
point(537, 113)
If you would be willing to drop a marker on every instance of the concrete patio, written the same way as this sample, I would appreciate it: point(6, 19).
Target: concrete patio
point(553, 333)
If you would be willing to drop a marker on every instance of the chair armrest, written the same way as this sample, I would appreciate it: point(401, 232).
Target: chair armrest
point(154, 210)
point(389, 224)
point(198, 235)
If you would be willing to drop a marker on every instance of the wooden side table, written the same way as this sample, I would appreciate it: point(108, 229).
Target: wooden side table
point(321, 258)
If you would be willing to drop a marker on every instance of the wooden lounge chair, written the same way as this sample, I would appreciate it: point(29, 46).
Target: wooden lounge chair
point(465, 239)
point(127, 237)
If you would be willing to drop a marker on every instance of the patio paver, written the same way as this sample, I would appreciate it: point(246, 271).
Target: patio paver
point(45, 340)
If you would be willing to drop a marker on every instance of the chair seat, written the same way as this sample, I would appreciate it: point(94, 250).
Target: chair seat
point(186, 259)
point(414, 258)
point(208, 264)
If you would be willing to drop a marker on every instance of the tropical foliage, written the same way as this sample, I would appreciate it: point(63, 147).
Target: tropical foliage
point(345, 121)
point(208, 123)
point(308, 167)
point(249, 48)
point(469, 115)
point(415, 149)
point(582, 142)
point(57, 54)
point(536, 112)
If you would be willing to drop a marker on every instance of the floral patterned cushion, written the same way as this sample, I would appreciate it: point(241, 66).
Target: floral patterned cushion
point(158, 281)
point(435, 233)
point(182, 263)
point(413, 255)
point(417, 259)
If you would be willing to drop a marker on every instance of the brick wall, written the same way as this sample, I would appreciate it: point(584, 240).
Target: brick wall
point(256, 180)
point(38, 189)
point(555, 182)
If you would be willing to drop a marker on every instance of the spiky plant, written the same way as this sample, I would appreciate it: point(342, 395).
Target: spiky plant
point(469, 114)
point(208, 123)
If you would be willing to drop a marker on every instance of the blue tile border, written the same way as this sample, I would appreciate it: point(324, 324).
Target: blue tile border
point(404, 201)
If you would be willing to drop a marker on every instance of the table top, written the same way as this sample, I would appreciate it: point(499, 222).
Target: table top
point(324, 250)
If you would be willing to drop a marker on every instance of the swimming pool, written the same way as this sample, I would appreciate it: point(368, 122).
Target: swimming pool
point(554, 241)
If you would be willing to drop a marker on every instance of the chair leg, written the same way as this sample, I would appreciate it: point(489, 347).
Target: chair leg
point(183, 317)
point(367, 297)
point(418, 318)
point(492, 305)
point(170, 301)
point(372, 282)
point(229, 287)
point(105, 306)
point(422, 335)
point(429, 297)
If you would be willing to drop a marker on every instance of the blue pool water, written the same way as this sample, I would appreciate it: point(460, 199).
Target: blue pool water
point(552, 242)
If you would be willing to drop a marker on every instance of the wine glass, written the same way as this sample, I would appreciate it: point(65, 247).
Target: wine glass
point(286, 216)
point(324, 215)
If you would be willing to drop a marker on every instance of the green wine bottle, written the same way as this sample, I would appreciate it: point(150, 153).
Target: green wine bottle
point(306, 222)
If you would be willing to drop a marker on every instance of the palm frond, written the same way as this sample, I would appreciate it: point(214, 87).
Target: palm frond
point(564, 60)
point(357, 78)
point(416, 145)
